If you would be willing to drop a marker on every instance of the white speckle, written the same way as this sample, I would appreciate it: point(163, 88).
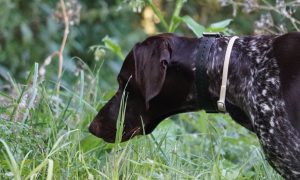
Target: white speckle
point(258, 60)
point(266, 107)
point(272, 80)
point(251, 116)
point(271, 131)
point(265, 45)
point(220, 49)
point(253, 48)
point(194, 69)
point(296, 172)
point(272, 123)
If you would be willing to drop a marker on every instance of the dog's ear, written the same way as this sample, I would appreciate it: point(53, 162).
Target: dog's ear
point(151, 62)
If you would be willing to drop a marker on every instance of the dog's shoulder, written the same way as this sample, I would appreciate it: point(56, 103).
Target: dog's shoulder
point(286, 50)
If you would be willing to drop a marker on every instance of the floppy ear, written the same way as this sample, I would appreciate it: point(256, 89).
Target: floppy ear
point(151, 61)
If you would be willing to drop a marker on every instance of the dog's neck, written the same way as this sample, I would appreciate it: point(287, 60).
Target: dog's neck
point(254, 86)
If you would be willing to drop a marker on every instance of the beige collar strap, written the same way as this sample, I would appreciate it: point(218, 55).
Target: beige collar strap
point(221, 101)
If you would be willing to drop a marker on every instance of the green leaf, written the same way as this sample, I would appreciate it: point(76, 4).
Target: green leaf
point(215, 29)
point(193, 25)
point(114, 47)
point(221, 24)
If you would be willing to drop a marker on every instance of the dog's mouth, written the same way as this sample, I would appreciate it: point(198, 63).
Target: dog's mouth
point(130, 134)
point(125, 137)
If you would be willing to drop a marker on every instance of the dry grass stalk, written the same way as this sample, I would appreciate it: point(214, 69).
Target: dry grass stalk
point(58, 53)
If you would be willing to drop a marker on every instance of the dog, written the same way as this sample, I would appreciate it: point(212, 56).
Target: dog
point(168, 74)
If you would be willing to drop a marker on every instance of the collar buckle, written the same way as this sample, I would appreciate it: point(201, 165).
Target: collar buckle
point(221, 106)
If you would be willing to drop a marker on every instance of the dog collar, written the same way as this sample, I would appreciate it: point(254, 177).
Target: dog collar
point(221, 101)
point(205, 100)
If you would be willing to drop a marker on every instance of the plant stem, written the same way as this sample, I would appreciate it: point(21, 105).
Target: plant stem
point(179, 4)
point(158, 14)
point(62, 47)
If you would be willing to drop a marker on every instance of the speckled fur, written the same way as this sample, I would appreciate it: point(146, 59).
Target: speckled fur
point(254, 85)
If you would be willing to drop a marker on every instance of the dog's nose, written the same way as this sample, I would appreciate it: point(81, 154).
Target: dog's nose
point(94, 128)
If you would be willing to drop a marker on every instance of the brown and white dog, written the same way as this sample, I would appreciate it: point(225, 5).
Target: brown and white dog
point(263, 89)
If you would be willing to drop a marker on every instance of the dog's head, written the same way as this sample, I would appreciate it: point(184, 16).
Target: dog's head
point(158, 80)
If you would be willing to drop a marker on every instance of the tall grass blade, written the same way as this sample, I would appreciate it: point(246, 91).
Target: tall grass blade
point(23, 161)
point(81, 90)
point(33, 92)
point(50, 169)
point(37, 169)
point(121, 115)
point(55, 147)
point(158, 145)
point(12, 161)
point(20, 93)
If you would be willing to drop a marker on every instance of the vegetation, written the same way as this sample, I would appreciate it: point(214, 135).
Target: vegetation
point(43, 131)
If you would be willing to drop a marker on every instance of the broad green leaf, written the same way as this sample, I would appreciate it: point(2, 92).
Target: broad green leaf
point(193, 25)
point(221, 24)
point(114, 47)
point(215, 29)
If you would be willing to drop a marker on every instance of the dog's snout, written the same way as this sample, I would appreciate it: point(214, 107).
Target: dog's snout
point(94, 128)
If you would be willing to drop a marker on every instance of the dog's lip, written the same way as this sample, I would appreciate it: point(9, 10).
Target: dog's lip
point(130, 134)
point(125, 137)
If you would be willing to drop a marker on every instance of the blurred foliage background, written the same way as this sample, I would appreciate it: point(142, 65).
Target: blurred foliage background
point(31, 30)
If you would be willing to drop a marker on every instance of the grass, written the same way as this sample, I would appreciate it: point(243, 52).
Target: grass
point(43, 136)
